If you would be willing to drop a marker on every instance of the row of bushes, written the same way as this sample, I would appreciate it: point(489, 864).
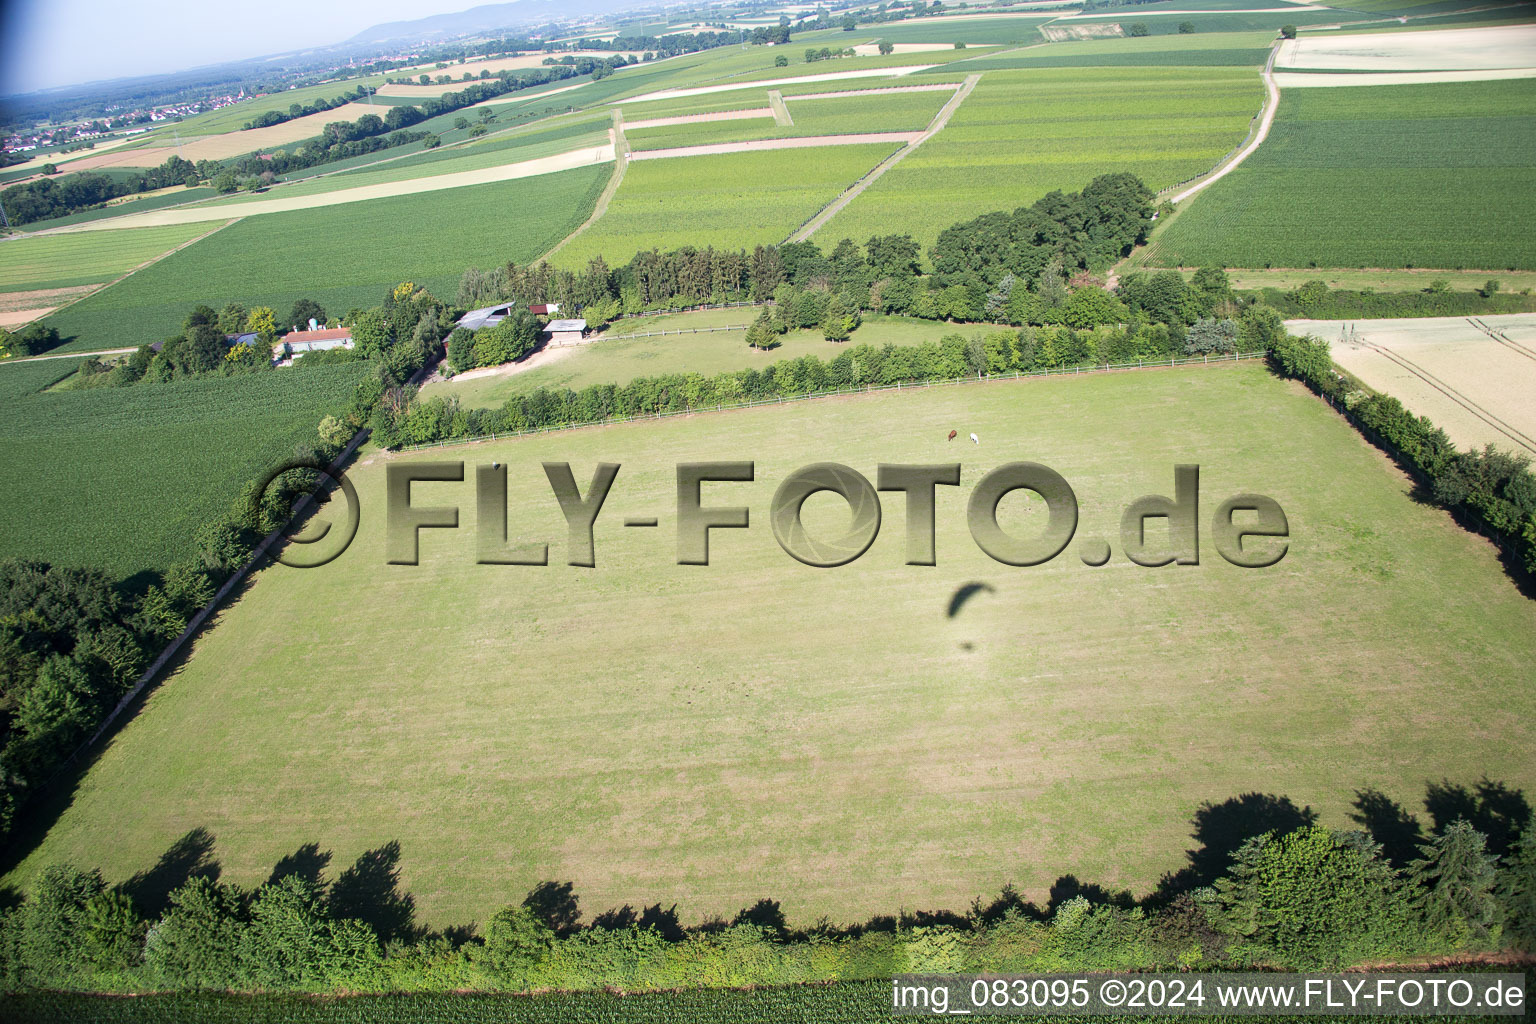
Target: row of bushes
point(1315, 300)
point(1308, 898)
point(1027, 350)
point(1489, 487)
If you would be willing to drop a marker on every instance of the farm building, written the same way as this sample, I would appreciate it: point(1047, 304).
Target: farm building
point(243, 338)
point(296, 343)
point(490, 316)
point(566, 332)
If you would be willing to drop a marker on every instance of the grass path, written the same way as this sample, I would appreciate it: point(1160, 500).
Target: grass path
point(939, 121)
point(620, 165)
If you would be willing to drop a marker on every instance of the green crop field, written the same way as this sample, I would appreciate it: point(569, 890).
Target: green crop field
point(1016, 31)
point(341, 256)
point(1393, 176)
point(879, 112)
point(1021, 134)
point(830, 737)
point(1214, 21)
point(615, 359)
point(1214, 49)
point(119, 478)
point(732, 200)
point(85, 257)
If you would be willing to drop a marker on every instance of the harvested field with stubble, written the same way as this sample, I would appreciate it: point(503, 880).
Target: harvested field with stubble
point(1474, 377)
point(712, 736)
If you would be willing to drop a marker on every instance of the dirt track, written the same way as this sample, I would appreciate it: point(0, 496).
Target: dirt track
point(412, 186)
point(939, 121)
point(809, 142)
point(1266, 121)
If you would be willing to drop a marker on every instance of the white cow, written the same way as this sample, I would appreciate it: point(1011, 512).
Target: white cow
point(975, 439)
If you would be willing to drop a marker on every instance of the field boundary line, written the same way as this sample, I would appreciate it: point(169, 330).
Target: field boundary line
point(122, 277)
point(1258, 131)
point(1073, 371)
point(836, 206)
point(620, 165)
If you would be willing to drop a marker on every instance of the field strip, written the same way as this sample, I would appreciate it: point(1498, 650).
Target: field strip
point(1460, 399)
point(620, 165)
point(719, 115)
point(705, 90)
point(1329, 80)
point(1266, 120)
point(810, 142)
point(939, 121)
point(1101, 16)
point(853, 93)
point(585, 157)
point(86, 293)
point(780, 111)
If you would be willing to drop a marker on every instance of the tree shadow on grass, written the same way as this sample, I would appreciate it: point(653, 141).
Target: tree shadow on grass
point(307, 862)
point(1221, 829)
point(556, 904)
point(370, 891)
point(1390, 824)
point(1498, 811)
point(189, 857)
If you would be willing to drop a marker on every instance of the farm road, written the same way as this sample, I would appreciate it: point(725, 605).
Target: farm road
point(939, 121)
point(506, 172)
point(1267, 119)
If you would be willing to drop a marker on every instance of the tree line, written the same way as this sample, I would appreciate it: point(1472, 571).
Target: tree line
point(1294, 895)
point(72, 640)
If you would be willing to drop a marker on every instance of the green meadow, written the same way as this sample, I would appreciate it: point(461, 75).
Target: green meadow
point(832, 738)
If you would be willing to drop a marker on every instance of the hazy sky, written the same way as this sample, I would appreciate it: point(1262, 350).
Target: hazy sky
point(46, 43)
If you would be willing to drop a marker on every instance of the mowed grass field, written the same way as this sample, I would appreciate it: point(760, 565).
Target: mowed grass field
point(1021, 134)
point(69, 260)
point(342, 256)
point(1386, 176)
point(830, 738)
point(728, 200)
point(617, 359)
point(120, 478)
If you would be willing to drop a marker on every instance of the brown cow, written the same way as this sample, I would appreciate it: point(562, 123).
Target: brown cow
point(954, 434)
